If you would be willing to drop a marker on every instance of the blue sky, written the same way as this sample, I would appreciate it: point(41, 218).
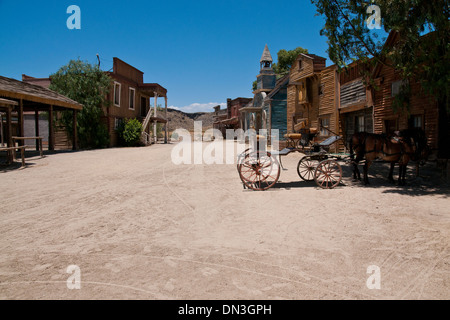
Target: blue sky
point(203, 52)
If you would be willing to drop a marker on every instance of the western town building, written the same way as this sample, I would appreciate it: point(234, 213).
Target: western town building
point(268, 108)
point(129, 97)
point(422, 112)
point(312, 97)
point(19, 98)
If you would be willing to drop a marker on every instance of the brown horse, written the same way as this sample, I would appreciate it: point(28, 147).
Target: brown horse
point(370, 146)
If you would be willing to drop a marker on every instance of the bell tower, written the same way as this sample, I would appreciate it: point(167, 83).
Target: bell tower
point(266, 78)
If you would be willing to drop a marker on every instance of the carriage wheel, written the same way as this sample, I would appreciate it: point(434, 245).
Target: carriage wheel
point(306, 167)
point(328, 174)
point(242, 157)
point(259, 170)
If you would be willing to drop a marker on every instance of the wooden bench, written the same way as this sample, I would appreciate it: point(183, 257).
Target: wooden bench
point(13, 149)
point(38, 139)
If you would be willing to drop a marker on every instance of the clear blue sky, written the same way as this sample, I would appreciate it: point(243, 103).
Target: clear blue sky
point(203, 52)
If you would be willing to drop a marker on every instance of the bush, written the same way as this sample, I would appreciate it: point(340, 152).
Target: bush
point(130, 132)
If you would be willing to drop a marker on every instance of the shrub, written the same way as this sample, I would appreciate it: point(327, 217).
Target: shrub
point(131, 134)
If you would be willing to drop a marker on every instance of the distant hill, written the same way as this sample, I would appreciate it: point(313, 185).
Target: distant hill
point(179, 119)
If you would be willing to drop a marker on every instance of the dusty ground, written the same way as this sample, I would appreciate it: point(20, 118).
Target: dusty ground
point(140, 227)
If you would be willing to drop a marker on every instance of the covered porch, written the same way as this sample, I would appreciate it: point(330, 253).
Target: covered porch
point(154, 116)
point(19, 97)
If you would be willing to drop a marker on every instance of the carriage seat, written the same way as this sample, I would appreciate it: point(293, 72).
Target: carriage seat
point(293, 135)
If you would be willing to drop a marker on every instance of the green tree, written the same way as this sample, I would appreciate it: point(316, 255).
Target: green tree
point(285, 61)
point(422, 52)
point(88, 85)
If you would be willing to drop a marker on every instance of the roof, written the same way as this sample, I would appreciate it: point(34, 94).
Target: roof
point(311, 56)
point(151, 88)
point(266, 55)
point(279, 84)
point(4, 103)
point(15, 89)
point(391, 39)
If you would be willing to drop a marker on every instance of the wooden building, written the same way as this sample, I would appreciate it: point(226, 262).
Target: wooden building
point(423, 109)
point(252, 114)
point(274, 114)
point(313, 97)
point(131, 98)
point(234, 118)
point(356, 103)
point(219, 116)
point(32, 98)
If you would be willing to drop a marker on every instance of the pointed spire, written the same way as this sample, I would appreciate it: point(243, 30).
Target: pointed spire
point(266, 55)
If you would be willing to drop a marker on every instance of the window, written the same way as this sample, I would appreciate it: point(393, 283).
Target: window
point(320, 90)
point(324, 125)
point(300, 64)
point(132, 94)
point(416, 121)
point(117, 87)
point(396, 87)
point(117, 123)
point(359, 124)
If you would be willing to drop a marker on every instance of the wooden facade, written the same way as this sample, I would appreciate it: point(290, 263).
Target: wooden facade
point(355, 103)
point(33, 99)
point(423, 109)
point(274, 114)
point(234, 119)
point(312, 96)
point(130, 97)
point(422, 112)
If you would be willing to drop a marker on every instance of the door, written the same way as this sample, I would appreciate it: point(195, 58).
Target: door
point(143, 106)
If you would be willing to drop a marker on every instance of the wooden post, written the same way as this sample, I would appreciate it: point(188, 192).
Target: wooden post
point(1, 129)
point(9, 140)
point(36, 128)
point(51, 132)
point(74, 132)
point(166, 124)
point(154, 114)
point(20, 119)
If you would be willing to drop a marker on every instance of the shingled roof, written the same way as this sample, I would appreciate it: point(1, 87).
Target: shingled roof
point(15, 89)
point(266, 55)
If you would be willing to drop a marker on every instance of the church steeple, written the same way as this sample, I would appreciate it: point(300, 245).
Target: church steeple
point(266, 59)
point(266, 78)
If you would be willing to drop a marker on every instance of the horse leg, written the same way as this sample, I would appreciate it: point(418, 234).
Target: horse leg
point(391, 172)
point(356, 173)
point(401, 175)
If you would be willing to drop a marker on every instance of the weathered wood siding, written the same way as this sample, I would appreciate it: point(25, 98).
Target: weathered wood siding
point(420, 104)
point(353, 92)
point(278, 115)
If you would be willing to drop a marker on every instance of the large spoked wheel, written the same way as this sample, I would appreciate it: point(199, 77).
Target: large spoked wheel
point(259, 170)
point(241, 158)
point(328, 174)
point(306, 168)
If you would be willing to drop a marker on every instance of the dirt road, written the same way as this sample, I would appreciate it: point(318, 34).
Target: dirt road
point(139, 227)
